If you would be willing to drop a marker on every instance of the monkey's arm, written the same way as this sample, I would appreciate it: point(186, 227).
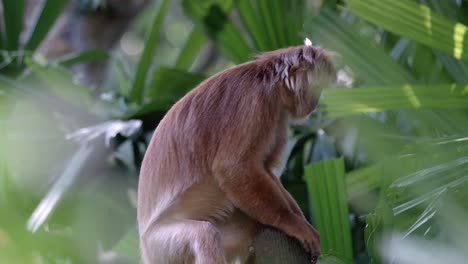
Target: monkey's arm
point(287, 196)
point(276, 162)
point(251, 188)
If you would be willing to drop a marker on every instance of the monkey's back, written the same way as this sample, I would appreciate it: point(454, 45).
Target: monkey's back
point(186, 141)
point(206, 126)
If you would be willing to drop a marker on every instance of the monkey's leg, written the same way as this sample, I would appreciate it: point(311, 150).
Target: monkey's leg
point(238, 232)
point(183, 242)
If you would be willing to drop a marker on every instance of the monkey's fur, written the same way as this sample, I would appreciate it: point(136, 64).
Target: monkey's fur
point(209, 181)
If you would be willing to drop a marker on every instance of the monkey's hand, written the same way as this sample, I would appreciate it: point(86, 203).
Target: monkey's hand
point(306, 234)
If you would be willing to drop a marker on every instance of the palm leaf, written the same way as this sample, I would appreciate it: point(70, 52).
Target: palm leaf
point(13, 13)
point(369, 63)
point(168, 85)
point(325, 182)
point(266, 17)
point(249, 17)
point(212, 18)
point(58, 80)
point(50, 12)
point(417, 22)
point(190, 50)
point(82, 57)
point(260, 19)
point(146, 58)
point(129, 246)
point(60, 187)
point(342, 102)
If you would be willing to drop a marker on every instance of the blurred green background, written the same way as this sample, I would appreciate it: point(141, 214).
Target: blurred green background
point(381, 168)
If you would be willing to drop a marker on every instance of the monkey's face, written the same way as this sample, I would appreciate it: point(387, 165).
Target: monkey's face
point(317, 81)
point(300, 73)
point(301, 92)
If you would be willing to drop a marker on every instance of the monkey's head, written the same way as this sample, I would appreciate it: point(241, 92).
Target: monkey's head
point(300, 73)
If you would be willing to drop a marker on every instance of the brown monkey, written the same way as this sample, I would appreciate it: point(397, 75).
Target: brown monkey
point(207, 181)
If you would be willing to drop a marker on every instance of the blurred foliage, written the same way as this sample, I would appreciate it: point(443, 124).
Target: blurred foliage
point(380, 167)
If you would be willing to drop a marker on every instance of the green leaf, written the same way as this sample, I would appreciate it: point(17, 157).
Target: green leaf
point(417, 191)
point(334, 259)
point(212, 18)
point(417, 22)
point(343, 102)
point(369, 178)
point(326, 186)
point(51, 9)
point(266, 9)
point(13, 12)
point(122, 76)
point(372, 234)
point(7, 106)
point(260, 19)
point(129, 246)
point(369, 63)
point(60, 187)
point(294, 19)
point(58, 80)
point(169, 85)
point(82, 57)
point(249, 17)
point(190, 50)
point(146, 58)
point(457, 69)
point(363, 180)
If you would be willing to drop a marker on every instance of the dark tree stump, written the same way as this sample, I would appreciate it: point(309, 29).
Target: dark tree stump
point(275, 247)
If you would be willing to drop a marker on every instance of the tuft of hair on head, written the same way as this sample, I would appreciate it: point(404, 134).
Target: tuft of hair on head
point(294, 65)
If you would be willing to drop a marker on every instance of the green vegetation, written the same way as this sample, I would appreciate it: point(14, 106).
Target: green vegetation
point(381, 168)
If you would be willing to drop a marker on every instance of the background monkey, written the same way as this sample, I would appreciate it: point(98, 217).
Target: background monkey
point(207, 182)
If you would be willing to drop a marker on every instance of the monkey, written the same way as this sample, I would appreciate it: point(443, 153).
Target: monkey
point(208, 181)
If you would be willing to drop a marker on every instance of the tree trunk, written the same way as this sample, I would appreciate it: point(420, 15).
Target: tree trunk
point(81, 28)
point(275, 247)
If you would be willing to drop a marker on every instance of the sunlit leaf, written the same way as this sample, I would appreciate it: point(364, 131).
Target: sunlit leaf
point(342, 102)
point(369, 63)
point(415, 21)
